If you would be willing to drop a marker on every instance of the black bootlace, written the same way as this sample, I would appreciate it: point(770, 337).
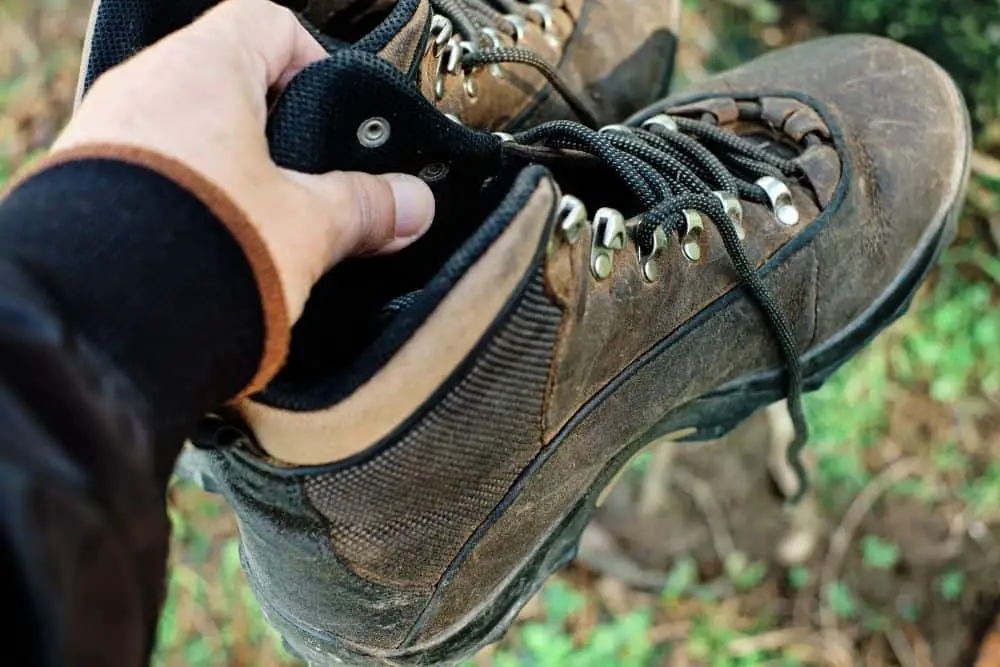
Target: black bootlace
point(478, 22)
point(673, 165)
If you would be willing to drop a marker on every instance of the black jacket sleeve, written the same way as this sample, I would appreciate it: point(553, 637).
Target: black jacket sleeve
point(126, 310)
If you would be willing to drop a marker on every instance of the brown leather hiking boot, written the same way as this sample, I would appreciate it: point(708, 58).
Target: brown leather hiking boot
point(491, 64)
point(449, 416)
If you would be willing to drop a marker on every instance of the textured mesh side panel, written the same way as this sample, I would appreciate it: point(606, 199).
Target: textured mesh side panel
point(401, 517)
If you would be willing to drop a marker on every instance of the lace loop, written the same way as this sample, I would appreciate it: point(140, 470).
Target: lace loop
point(680, 184)
point(478, 28)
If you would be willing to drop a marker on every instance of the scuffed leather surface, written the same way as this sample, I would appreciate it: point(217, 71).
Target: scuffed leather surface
point(891, 199)
point(620, 57)
point(290, 564)
point(902, 150)
point(619, 60)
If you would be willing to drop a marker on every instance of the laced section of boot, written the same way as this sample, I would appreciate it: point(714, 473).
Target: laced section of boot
point(684, 173)
point(468, 35)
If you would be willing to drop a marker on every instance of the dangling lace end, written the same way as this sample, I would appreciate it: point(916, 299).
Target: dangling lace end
point(794, 452)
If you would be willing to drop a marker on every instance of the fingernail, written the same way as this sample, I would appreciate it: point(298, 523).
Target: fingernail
point(414, 204)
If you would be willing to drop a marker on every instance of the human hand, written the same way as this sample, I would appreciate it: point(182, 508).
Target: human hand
point(200, 96)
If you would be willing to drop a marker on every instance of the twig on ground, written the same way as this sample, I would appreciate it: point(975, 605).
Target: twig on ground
point(985, 165)
point(654, 493)
point(919, 645)
point(829, 648)
point(842, 537)
point(701, 493)
point(600, 553)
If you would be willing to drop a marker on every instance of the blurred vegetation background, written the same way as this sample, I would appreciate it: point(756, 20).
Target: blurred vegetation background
point(892, 559)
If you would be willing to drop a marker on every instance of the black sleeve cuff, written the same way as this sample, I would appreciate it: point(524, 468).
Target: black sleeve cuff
point(146, 272)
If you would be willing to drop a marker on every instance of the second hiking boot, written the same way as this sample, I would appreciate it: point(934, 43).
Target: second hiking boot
point(449, 416)
point(491, 64)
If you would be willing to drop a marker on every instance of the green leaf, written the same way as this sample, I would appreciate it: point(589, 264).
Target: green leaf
point(951, 584)
point(878, 554)
point(681, 578)
point(561, 602)
point(798, 577)
point(744, 574)
point(842, 600)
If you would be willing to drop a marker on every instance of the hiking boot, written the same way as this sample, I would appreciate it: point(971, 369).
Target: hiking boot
point(492, 64)
point(450, 415)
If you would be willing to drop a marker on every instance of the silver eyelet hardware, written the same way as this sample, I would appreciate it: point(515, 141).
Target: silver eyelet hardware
point(734, 210)
point(441, 31)
point(505, 137)
point(621, 129)
point(471, 87)
point(374, 132)
point(519, 25)
point(548, 19)
point(661, 122)
point(433, 172)
point(493, 40)
point(608, 236)
point(455, 119)
point(691, 233)
point(781, 200)
point(448, 63)
point(648, 263)
point(571, 218)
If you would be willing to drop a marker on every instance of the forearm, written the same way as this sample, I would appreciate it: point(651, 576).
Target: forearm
point(128, 307)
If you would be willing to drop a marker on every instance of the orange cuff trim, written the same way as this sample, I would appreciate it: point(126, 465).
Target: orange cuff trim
point(277, 327)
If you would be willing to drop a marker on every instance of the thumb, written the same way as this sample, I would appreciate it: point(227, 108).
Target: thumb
point(370, 214)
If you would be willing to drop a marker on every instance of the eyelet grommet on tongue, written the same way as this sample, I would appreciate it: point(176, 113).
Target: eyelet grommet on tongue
point(734, 210)
point(691, 233)
point(608, 236)
point(781, 200)
point(571, 218)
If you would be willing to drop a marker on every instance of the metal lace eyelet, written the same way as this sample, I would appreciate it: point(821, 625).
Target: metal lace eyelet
point(691, 233)
point(441, 31)
point(621, 129)
point(649, 259)
point(734, 210)
point(493, 40)
point(571, 218)
point(519, 25)
point(433, 172)
point(781, 200)
point(448, 63)
point(471, 87)
point(548, 19)
point(455, 119)
point(608, 236)
point(661, 122)
point(505, 137)
point(374, 132)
